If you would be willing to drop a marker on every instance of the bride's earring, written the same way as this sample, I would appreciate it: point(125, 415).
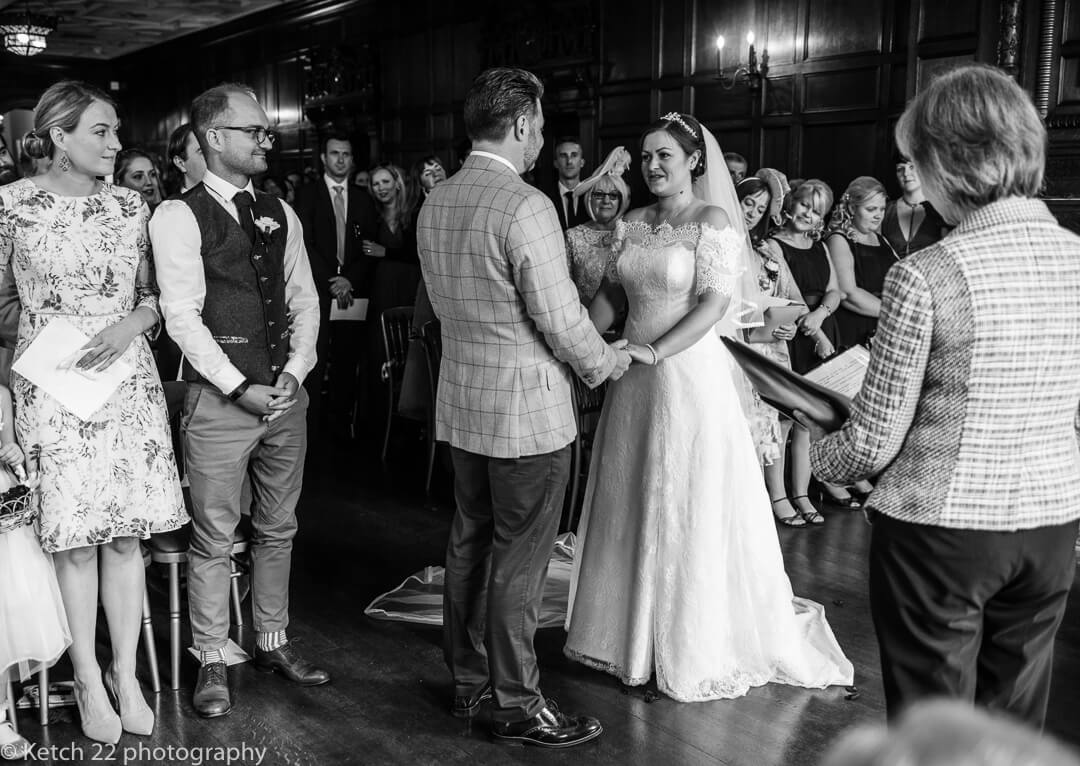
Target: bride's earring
point(64, 163)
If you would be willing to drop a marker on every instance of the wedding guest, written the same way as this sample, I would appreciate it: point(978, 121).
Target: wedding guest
point(910, 222)
point(8, 171)
point(678, 570)
point(135, 170)
point(861, 257)
point(736, 165)
point(969, 413)
point(569, 162)
point(109, 480)
point(186, 163)
point(798, 243)
point(33, 626)
point(363, 180)
point(274, 186)
point(486, 233)
point(240, 302)
point(425, 174)
point(588, 245)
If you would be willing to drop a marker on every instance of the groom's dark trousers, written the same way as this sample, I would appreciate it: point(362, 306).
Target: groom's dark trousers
point(508, 512)
point(969, 614)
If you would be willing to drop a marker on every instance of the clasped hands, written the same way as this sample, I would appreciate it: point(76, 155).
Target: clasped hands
point(627, 353)
point(270, 402)
point(341, 290)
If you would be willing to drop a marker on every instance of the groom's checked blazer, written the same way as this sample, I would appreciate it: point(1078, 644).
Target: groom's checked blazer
point(494, 262)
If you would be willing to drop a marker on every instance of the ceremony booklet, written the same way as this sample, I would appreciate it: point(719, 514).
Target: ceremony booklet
point(356, 312)
point(843, 373)
point(787, 391)
point(45, 363)
point(780, 311)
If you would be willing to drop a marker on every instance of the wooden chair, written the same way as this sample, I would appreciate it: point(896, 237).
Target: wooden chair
point(171, 548)
point(43, 693)
point(587, 401)
point(431, 336)
point(395, 324)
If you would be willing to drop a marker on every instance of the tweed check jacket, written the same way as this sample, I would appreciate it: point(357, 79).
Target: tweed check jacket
point(970, 405)
point(494, 262)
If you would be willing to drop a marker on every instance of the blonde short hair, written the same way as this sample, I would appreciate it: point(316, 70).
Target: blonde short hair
point(976, 136)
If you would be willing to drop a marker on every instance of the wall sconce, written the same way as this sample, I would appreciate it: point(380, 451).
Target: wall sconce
point(748, 72)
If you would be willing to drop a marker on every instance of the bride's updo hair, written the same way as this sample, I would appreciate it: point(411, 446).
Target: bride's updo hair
point(60, 106)
point(686, 131)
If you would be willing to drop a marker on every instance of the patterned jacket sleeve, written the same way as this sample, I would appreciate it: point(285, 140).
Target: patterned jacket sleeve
point(885, 407)
point(146, 289)
point(537, 252)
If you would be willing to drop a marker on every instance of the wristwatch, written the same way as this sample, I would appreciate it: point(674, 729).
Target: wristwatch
point(237, 392)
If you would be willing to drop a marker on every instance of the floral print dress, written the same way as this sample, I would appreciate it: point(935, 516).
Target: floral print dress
point(86, 259)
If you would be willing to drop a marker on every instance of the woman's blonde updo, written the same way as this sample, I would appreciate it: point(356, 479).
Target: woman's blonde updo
point(60, 106)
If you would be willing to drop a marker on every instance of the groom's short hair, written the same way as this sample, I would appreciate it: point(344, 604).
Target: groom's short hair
point(499, 96)
point(210, 105)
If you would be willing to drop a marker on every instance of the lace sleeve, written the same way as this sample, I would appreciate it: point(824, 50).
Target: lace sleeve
point(618, 241)
point(717, 260)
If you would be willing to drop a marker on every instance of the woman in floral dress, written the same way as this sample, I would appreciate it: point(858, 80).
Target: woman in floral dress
point(79, 252)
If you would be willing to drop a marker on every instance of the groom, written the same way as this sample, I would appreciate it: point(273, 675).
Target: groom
point(239, 300)
point(494, 262)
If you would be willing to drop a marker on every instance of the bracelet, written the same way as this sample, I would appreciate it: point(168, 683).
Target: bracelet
point(828, 311)
point(239, 391)
point(655, 356)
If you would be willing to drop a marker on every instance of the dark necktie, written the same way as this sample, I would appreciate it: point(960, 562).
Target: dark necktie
point(243, 201)
point(570, 212)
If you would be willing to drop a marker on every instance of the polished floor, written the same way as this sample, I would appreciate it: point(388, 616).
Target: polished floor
point(362, 532)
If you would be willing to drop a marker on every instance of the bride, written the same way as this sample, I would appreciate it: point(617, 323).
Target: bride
point(678, 570)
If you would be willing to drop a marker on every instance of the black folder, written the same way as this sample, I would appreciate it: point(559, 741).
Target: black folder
point(788, 391)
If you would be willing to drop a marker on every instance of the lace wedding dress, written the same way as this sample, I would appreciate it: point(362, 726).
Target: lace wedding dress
point(678, 569)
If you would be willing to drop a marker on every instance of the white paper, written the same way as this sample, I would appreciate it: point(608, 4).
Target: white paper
point(356, 312)
point(844, 373)
point(81, 392)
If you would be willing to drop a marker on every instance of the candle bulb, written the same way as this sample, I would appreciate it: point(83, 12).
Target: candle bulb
point(753, 54)
point(719, 54)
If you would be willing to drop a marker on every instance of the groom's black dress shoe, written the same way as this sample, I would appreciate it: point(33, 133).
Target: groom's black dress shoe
point(549, 728)
point(468, 705)
point(211, 698)
point(290, 664)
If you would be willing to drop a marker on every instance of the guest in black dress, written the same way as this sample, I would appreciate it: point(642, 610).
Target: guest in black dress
point(797, 243)
point(911, 223)
point(862, 257)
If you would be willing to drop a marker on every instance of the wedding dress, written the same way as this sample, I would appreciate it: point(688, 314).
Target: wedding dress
point(678, 570)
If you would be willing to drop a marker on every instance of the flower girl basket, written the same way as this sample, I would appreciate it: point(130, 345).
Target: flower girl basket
point(16, 510)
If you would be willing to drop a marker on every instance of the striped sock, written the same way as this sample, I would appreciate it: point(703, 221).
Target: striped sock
point(268, 642)
point(213, 655)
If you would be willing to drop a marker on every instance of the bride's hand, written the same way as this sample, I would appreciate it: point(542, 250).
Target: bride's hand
point(640, 354)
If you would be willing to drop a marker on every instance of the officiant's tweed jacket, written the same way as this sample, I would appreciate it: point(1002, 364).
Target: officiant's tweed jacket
point(494, 262)
point(970, 405)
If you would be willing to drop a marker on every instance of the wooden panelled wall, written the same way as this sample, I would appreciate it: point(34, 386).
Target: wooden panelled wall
point(838, 73)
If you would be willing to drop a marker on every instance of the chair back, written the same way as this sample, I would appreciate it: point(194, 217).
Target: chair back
point(395, 323)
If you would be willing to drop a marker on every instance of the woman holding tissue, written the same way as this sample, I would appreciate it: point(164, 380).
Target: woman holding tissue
point(79, 252)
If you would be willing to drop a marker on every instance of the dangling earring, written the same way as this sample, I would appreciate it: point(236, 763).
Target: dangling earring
point(64, 163)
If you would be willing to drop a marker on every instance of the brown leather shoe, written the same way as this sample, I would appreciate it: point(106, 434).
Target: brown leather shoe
point(468, 705)
point(211, 698)
point(549, 728)
point(290, 664)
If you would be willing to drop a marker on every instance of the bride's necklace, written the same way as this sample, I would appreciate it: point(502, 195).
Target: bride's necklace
point(674, 213)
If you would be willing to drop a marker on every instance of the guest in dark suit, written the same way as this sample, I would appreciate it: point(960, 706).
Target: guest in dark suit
point(337, 216)
point(969, 413)
point(569, 162)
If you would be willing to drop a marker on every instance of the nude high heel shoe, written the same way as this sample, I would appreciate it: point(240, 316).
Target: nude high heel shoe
point(140, 720)
point(105, 728)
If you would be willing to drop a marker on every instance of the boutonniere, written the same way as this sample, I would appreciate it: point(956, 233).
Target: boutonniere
point(772, 273)
point(267, 225)
point(358, 231)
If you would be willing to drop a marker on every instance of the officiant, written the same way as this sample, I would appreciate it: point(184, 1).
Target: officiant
point(968, 412)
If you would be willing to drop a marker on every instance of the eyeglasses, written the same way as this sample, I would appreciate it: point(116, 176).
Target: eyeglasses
point(257, 132)
point(600, 196)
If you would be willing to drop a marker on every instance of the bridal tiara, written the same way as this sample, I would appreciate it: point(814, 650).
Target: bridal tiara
point(677, 118)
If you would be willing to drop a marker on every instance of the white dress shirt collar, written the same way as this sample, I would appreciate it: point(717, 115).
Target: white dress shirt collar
point(224, 189)
point(496, 157)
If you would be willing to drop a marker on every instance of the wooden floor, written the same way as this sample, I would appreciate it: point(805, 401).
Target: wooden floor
point(361, 533)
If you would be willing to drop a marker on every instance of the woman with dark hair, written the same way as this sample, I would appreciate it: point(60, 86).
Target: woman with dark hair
point(862, 258)
point(135, 169)
point(424, 175)
point(186, 166)
point(80, 255)
point(678, 570)
point(910, 222)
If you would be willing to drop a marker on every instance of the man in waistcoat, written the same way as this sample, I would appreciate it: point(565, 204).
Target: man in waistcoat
point(239, 299)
